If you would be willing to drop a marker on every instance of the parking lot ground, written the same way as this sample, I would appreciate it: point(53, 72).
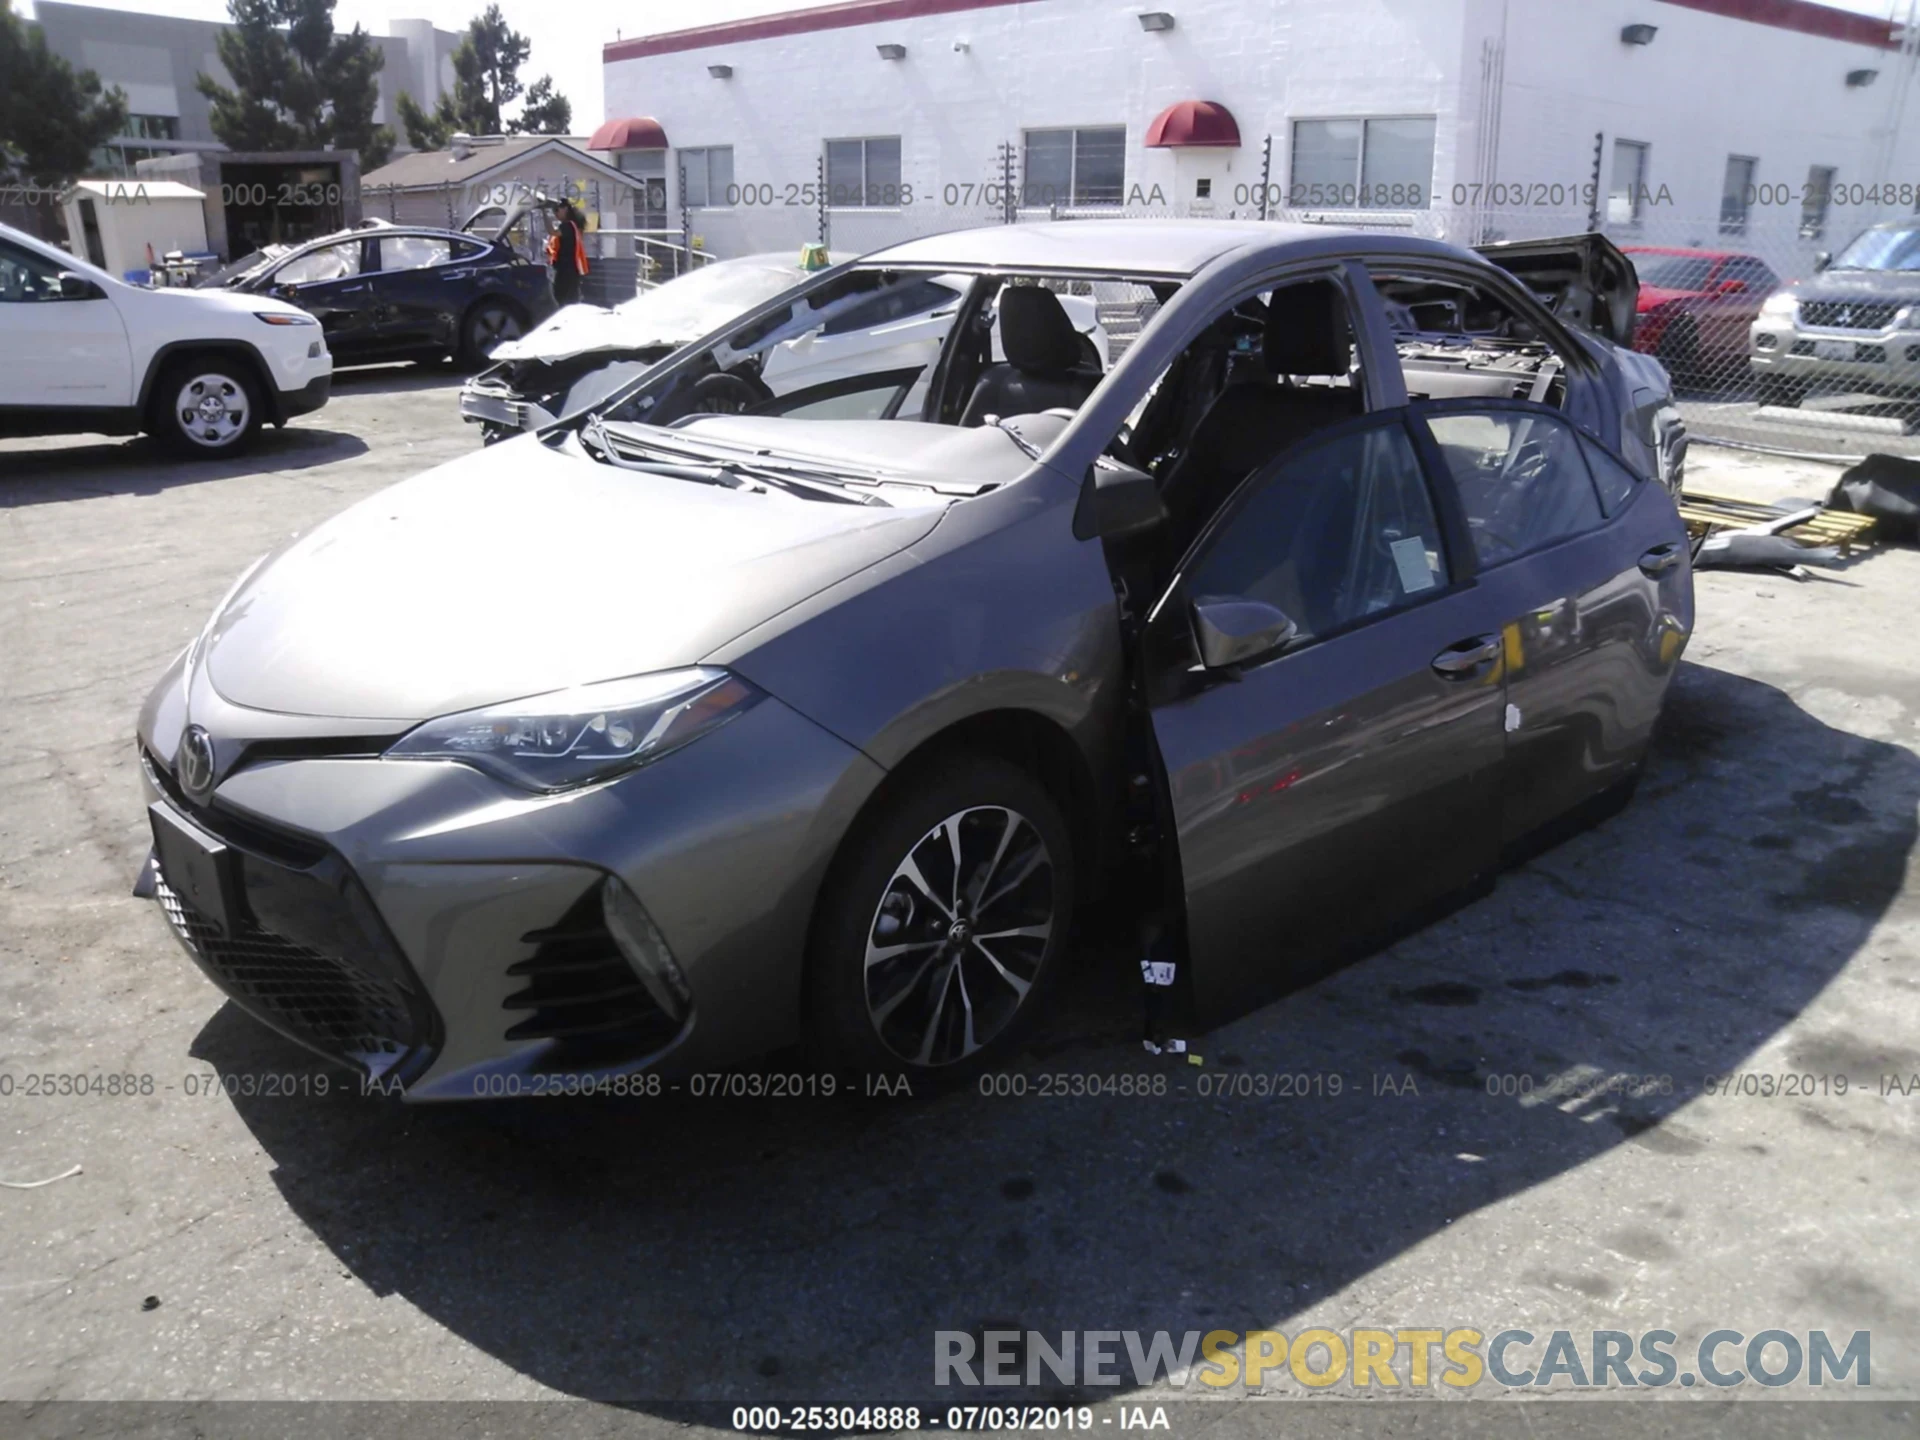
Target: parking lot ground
point(1510, 1119)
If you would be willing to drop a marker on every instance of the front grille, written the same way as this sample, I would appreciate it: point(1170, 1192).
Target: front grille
point(307, 953)
point(321, 1000)
point(1848, 314)
point(581, 992)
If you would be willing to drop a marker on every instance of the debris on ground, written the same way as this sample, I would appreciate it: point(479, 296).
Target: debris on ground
point(1735, 534)
point(1885, 487)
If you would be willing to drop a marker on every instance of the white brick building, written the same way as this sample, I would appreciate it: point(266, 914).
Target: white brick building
point(1717, 123)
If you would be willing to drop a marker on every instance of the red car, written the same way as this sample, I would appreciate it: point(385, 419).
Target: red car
point(1695, 307)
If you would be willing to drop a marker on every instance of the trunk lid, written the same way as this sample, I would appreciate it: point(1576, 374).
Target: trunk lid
point(1584, 280)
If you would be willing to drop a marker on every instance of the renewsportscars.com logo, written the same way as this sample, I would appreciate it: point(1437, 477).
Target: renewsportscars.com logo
point(1373, 1359)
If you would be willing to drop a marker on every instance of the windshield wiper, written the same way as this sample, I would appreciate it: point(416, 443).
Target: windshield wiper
point(728, 474)
point(1027, 447)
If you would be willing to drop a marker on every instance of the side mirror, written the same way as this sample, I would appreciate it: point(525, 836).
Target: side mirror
point(1733, 287)
point(1823, 259)
point(286, 292)
point(1117, 500)
point(1233, 631)
point(78, 287)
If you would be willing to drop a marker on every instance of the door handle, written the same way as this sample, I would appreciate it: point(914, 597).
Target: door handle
point(1463, 657)
point(1660, 559)
point(351, 289)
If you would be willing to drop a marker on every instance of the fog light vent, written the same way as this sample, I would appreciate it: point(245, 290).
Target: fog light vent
point(646, 949)
point(1766, 342)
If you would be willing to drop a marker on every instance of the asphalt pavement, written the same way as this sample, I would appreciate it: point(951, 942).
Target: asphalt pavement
point(1528, 1132)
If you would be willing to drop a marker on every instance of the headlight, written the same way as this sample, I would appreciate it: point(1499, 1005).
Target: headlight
point(574, 737)
point(1781, 302)
point(275, 317)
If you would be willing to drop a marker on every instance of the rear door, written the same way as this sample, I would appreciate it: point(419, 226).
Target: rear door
point(419, 290)
point(1325, 790)
point(1583, 569)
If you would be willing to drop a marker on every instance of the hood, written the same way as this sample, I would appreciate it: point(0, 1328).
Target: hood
point(1902, 285)
point(575, 330)
point(522, 569)
point(235, 302)
point(664, 317)
point(1583, 279)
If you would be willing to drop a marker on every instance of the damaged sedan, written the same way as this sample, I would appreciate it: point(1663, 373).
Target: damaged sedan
point(665, 738)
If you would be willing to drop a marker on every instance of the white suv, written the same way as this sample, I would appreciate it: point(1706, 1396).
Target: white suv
point(200, 370)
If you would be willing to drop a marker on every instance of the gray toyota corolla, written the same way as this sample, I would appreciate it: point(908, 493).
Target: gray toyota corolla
point(713, 721)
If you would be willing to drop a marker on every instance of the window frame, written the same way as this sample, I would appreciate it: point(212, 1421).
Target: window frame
point(1731, 223)
point(1359, 181)
point(681, 169)
point(1072, 200)
point(1435, 458)
point(271, 279)
point(1636, 193)
point(1820, 182)
point(866, 185)
point(1457, 552)
point(382, 238)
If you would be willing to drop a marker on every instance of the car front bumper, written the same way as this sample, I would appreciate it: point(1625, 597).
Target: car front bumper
point(1881, 361)
point(308, 398)
point(487, 400)
point(433, 927)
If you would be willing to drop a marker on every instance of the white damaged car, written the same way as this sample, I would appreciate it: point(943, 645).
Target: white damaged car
point(871, 360)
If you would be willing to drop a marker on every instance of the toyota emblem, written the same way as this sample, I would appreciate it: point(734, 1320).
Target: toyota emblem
point(194, 762)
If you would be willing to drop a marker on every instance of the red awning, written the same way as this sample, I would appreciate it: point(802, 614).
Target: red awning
point(638, 132)
point(1193, 122)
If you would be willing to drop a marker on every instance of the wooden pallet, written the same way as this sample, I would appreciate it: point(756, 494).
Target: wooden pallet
point(1706, 511)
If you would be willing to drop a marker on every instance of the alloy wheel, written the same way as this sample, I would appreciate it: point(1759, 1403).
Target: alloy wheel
point(959, 936)
point(494, 326)
point(212, 411)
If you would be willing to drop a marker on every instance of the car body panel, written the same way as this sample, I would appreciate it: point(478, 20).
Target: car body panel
point(873, 631)
point(381, 313)
point(665, 570)
point(96, 360)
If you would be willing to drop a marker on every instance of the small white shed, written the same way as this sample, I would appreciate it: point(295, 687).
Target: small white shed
point(114, 223)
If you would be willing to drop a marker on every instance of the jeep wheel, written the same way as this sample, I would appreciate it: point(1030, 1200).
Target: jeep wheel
point(206, 407)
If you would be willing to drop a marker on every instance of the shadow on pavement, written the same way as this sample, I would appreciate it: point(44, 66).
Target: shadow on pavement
point(139, 466)
point(651, 1253)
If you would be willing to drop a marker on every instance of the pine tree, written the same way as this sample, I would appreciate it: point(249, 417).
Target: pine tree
point(298, 84)
point(486, 79)
point(52, 117)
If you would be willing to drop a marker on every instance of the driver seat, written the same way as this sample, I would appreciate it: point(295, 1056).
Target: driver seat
point(1042, 369)
point(1249, 424)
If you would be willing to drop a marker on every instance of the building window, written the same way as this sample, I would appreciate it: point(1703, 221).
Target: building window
point(1813, 204)
point(1629, 186)
point(152, 127)
point(706, 177)
point(1367, 164)
point(1075, 167)
point(864, 172)
point(1736, 194)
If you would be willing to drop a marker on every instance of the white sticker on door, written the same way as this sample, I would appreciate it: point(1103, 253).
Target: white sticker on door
point(1410, 557)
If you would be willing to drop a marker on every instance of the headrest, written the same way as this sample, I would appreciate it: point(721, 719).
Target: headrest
point(1307, 330)
point(1036, 332)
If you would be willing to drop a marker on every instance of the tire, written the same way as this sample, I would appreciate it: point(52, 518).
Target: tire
point(486, 325)
point(206, 407)
point(915, 1011)
point(1778, 390)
